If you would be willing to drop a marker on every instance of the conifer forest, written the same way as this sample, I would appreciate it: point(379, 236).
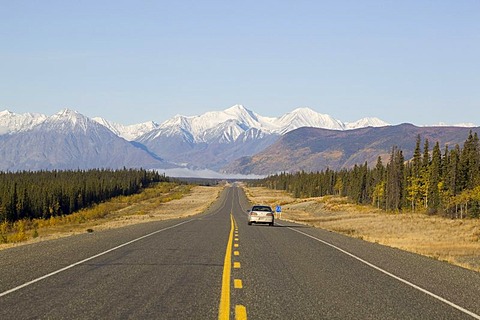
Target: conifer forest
point(436, 180)
point(43, 194)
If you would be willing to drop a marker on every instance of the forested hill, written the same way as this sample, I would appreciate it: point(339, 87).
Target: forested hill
point(313, 149)
point(437, 181)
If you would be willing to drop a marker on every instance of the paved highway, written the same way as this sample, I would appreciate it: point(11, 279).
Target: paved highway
point(215, 266)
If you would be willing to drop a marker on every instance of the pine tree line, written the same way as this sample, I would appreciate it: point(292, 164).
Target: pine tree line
point(434, 181)
point(44, 194)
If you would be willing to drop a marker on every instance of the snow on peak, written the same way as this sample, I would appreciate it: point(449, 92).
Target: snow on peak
point(11, 122)
point(66, 112)
point(443, 124)
point(128, 132)
point(5, 113)
point(238, 108)
point(306, 117)
point(226, 125)
point(366, 122)
point(232, 123)
point(465, 125)
point(304, 110)
point(67, 119)
point(69, 115)
point(221, 126)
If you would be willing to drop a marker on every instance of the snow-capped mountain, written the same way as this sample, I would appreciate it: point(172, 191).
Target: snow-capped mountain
point(128, 132)
point(365, 122)
point(68, 121)
point(224, 126)
point(306, 117)
point(11, 122)
point(460, 125)
point(69, 140)
point(221, 126)
point(316, 149)
point(214, 138)
point(227, 125)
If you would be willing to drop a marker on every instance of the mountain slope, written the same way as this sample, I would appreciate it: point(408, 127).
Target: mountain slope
point(130, 132)
point(313, 149)
point(213, 139)
point(11, 122)
point(227, 125)
point(365, 122)
point(210, 140)
point(69, 140)
point(305, 117)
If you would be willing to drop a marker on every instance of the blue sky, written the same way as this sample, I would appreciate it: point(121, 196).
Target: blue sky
point(134, 61)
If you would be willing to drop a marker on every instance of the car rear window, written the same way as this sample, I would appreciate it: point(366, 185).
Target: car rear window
point(261, 208)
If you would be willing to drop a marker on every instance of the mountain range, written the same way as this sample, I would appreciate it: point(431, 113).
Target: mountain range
point(315, 149)
point(227, 125)
point(233, 140)
point(66, 140)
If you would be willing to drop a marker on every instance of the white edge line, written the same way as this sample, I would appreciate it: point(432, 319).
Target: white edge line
point(474, 315)
point(26, 284)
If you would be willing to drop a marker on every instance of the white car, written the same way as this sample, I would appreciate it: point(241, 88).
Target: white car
point(260, 214)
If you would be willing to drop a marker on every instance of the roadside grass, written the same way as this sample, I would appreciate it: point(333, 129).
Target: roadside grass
point(452, 240)
point(149, 204)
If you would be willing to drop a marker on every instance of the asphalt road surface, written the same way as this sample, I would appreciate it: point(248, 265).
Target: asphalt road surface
point(215, 266)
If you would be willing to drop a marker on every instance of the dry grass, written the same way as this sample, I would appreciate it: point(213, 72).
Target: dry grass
point(165, 201)
point(454, 241)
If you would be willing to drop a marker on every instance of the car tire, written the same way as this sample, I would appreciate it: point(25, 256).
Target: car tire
point(249, 223)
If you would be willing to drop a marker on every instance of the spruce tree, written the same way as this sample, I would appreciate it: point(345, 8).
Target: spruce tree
point(435, 178)
point(417, 158)
point(395, 171)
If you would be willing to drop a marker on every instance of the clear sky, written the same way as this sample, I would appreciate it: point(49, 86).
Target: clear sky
point(414, 61)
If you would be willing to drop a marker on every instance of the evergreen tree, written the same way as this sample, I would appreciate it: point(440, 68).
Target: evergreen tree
point(469, 163)
point(426, 155)
point(435, 174)
point(395, 170)
point(417, 160)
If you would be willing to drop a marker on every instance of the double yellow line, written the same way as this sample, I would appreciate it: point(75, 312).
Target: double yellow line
point(224, 308)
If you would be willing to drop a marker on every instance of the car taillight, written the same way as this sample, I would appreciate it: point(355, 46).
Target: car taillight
point(253, 213)
point(270, 214)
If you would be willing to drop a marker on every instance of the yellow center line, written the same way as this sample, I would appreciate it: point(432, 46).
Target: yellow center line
point(240, 312)
point(224, 308)
point(237, 284)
